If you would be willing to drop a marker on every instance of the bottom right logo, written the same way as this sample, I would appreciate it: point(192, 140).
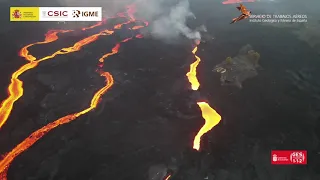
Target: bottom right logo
point(287, 157)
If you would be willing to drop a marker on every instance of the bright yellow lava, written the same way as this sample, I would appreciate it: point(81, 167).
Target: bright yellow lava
point(192, 74)
point(168, 177)
point(15, 89)
point(211, 117)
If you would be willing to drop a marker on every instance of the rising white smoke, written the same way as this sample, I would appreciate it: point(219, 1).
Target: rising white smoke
point(167, 18)
point(170, 23)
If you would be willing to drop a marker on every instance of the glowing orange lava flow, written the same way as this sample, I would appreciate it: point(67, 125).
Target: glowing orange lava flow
point(211, 117)
point(104, 21)
point(78, 45)
point(131, 19)
point(137, 27)
point(119, 26)
point(192, 74)
point(35, 136)
point(130, 12)
point(15, 89)
point(50, 36)
point(115, 50)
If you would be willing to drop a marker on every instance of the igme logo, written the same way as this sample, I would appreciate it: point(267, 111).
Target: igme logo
point(78, 13)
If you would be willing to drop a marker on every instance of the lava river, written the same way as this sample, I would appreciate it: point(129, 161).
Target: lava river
point(15, 88)
point(211, 117)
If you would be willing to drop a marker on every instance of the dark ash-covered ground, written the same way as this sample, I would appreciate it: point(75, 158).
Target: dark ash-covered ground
point(150, 116)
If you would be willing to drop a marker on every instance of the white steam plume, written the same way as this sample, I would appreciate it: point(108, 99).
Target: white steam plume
point(167, 18)
point(168, 22)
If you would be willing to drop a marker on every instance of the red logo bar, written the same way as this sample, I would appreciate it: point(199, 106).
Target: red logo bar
point(288, 157)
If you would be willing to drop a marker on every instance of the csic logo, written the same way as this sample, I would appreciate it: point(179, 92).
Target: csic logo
point(78, 13)
point(55, 13)
point(16, 14)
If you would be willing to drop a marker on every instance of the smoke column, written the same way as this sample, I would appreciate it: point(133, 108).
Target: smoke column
point(171, 23)
point(167, 18)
